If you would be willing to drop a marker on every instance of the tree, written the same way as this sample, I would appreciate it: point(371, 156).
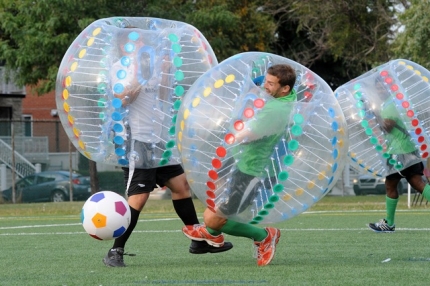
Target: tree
point(413, 40)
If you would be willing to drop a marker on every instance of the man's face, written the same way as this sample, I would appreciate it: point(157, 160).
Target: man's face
point(272, 86)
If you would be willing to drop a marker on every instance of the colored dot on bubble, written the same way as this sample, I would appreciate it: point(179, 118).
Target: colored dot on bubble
point(259, 103)
point(207, 91)
point(216, 163)
point(298, 118)
point(421, 139)
point(415, 122)
point(388, 80)
point(229, 78)
point(211, 185)
point(65, 94)
point(179, 90)
point(425, 155)
point(248, 112)
point(383, 73)
point(221, 152)
point(410, 113)
point(219, 83)
point(423, 147)
point(176, 48)
point(418, 131)
point(405, 104)
point(82, 53)
point(229, 138)
point(179, 75)
point(74, 66)
point(210, 194)
point(394, 87)
point(288, 160)
point(173, 38)
point(238, 125)
point(210, 203)
point(213, 174)
point(177, 61)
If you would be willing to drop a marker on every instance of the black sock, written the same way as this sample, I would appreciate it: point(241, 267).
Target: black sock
point(120, 241)
point(186, 211)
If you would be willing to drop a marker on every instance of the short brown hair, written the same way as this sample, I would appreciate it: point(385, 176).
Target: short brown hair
point(285, 73)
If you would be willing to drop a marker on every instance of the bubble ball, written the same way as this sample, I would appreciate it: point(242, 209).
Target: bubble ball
point(397, 91)
point(302, 165)
point(120, 85)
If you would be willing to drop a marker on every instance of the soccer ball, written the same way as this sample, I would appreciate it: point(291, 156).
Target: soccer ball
point(105, 215)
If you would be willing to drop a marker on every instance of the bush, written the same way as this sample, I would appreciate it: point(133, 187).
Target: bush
point(112, 181)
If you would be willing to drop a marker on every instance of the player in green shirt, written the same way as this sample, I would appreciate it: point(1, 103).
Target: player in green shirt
point(254, 150)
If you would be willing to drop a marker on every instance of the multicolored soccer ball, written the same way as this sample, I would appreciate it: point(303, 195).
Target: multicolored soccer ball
point(105, 215)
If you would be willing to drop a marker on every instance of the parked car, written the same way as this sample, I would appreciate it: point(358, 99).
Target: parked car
point(370, 185)
point(50, 186)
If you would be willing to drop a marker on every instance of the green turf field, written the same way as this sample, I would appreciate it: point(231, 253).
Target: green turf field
point(44, 244)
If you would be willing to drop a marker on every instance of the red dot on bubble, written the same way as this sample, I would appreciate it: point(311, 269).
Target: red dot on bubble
point(399, 96)
point(238, 125)
point(388, 80)
point(211, 209)
point(418, 131)
point(213, 174)
point(229, 138)
point(259, 103)
point(210, 185)
point(421, 139)
point(425, 155)
point(210, 203)
point(405, 104)
point(307, 94)
point(248, 112)
point(210, 194)
point(394, 87)
point(423, 147)
point(216, 163)
point(415, 122)
point(384, 73)
point(410, 113)
point(221, 152)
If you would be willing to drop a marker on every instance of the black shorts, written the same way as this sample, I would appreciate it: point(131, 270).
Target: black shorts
point(145, 180)
point(243, 190)
point(416, 169)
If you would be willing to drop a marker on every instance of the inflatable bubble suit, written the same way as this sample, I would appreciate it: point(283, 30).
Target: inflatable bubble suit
point(398, 90)
point(120, 85)
point(301, 167)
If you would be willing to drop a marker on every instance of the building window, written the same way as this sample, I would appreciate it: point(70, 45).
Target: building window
point(5, 123)
point(28, 125)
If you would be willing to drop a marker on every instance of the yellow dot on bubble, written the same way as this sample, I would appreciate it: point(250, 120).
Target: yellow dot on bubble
point(287, 197)
point(76, 131)
point(360, 161)
point(65, 94)
point(97, 31)
point(341, 131)
point(402, 62)
point(81, 144)
point(340, 143)
point(410, 67)
point(66, 107)
point(180, 135)
point(87, 154)
point(186, 114)
point(196, 102)
point(207, 91)
point(179, 147)
point(71, 119)
point(425, 79)
point(299, 192)
point(194, 40)
point(417, 72)
point(219, 83)
point(321, 175)
point(366, 168)
point(68, 81)
point(82, 53)
point(182, 125)
point(311, 185)
point(90, 42)
point(74, 66)
point(352, 155)
point(229, 78)
point(374, 173)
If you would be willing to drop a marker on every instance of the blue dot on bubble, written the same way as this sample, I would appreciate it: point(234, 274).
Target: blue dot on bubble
point(116, 116)
point(118, 140)
point(116, 103)
point(335, 153)
point(334, 126)
point(334, 168)
point(133, 36)
point(121, 74)
point(117, 127)
point(123, 161)
point(334, 141)
point(129, 47)
point(331, 112)
point(119, 152)
point(118, 88)
point(125, 61)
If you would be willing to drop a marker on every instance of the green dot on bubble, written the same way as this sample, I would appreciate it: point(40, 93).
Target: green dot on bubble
point(103, 62)
point(359, 104)
point(269, 206)
point(379, 148)
point(258, 218)
point(278, 188)
point(172, 130)
point(170, 144)
point(298, 118)
point(288, 160)
point(356, 86)
point(385, 155)
point(282, 176)
point(173, 38)
point(364, 123)
point(398, 166)
point(374, 140)
point(176, 48)
point(167, 154)
point(296, 130)
point(263, 212)
point(392, 161)
point(177, 61)
point(177, 104)
point(358, 95)
point(102, 115)
point(253, 222)
point(174, 118)
point(368, 131)
point(101, 88)
point(179, 75)
point(361, 113)
point(163, 162)
point(255, 70)
point(273, 198)
point(293, 145)
point(179, 90)
point(101, 102)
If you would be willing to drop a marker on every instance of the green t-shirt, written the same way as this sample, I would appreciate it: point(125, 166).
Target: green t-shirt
point(398, 140)
point(269, 126)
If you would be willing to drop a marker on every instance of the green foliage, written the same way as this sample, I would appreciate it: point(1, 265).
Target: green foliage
point(413, 43)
